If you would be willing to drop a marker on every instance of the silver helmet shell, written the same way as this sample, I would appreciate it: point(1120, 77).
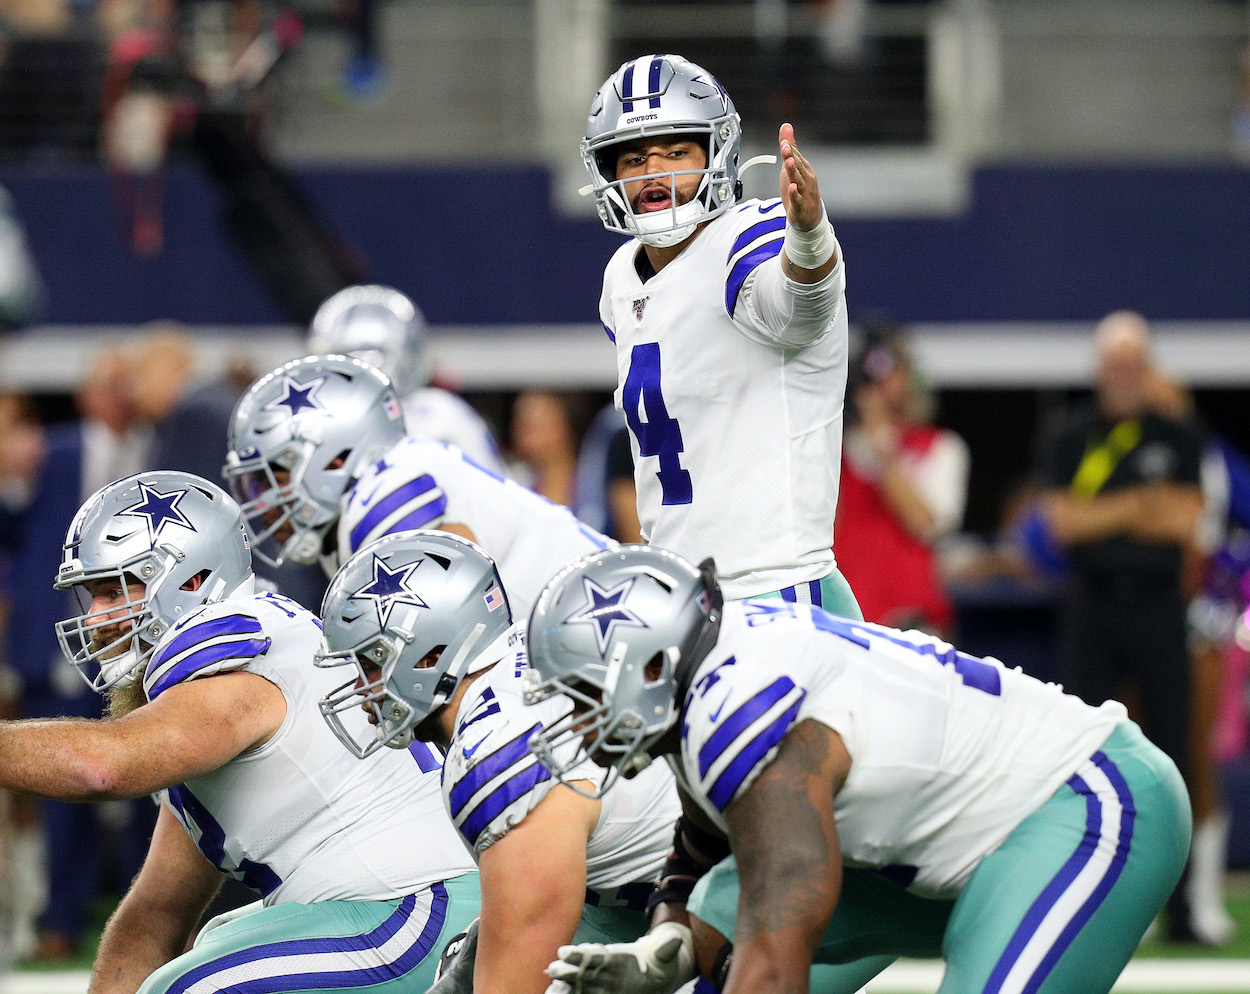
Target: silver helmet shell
point(169, 531)
point(662, 96)
point(377, 324)
point(389, 611)
point(299, 437)
point(616, 632)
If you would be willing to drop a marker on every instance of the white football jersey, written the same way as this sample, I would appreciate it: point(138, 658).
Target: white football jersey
point(300, 818)
point(737, 442)
point(949, 752)
point(442, 415)
point(421, 483)
point(492, 780)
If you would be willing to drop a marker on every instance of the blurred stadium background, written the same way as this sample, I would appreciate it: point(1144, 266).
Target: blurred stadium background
point(1001, 174)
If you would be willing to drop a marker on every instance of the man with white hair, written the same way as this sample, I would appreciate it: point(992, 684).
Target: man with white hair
point(1124, 502)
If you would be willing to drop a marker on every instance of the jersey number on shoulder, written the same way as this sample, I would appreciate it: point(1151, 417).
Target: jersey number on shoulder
point(659, 435)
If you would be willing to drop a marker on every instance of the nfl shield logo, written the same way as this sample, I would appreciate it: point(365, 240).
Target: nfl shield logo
point(639, 306)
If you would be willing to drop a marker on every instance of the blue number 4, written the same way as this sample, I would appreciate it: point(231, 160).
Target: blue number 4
point(659, 435)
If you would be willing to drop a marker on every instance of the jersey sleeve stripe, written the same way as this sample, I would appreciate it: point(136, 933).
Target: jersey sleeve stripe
point(726, 787)
point(756, 231)
point(423, 486)
point(518, 786)
point(744, 267)
point(610, 333)
point(741, 720)
point(202, 658)
point(234, 624)
point(490, 767)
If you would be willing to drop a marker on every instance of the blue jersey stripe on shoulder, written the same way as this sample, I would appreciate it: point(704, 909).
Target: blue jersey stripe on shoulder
point(231, 624)
point(727, 784)
point(500, 798)
point(610, 333)
point(421, 517)
point(744, 267)
point(742, 719)
point(489, 768)
point(396, 499)
point(234, 649)
point(754, 232)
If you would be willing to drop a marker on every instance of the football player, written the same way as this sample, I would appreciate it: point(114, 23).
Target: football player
point(318, 459)
point(881, 793)
point(385, 328)
point(214, 705)
point(730, 325)
point(423, 622)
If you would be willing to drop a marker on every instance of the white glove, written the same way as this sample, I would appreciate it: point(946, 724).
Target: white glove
point(658, 963)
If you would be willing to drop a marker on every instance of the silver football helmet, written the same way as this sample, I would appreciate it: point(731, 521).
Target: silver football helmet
point(411, 614)
point(620, 632)
point(298, 438)
point(662, 96)
point(377, 324)
point(178, 535)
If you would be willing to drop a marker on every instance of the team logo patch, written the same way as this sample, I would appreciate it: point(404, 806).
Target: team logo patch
point(390, 588)
point(297, 396)
point(606, 610)
point(159, 509)
point(640, 305)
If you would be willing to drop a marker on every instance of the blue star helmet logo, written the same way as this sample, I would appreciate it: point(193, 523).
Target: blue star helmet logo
point(297, 396)
point(160, 509)
point(390, 588)
point(606, 611)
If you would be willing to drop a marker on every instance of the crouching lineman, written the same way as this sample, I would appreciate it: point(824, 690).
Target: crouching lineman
point(214, 703)
point(424, 620)
point(882, 793)
point(318, 459)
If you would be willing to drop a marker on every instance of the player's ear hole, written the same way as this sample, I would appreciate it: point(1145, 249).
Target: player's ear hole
point(654, 668)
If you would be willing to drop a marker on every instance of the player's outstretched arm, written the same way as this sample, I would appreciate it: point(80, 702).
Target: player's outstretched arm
point(155, 920)
point(189, 730)
point(790, 867)
point(806, 226)
point(533, 884)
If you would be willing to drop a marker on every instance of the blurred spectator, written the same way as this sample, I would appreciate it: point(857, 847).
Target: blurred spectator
point(1124, 500)
point(904, 486)
point(365, 77)
point(78, 458)
point(605, 497)
point(22, 291)
point(547, 430)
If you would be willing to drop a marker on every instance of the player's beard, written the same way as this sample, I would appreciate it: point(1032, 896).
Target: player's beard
point(125, 697)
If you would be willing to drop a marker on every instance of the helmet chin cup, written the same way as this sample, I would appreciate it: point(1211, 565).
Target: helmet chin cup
point(304, 548)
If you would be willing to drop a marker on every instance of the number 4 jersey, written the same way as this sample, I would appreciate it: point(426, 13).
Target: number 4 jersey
point(949, 752)
point(737, 441)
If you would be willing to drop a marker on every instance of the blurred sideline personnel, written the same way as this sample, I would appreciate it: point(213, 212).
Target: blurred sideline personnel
point(319, 460)
point(904, 488)
point(1124, 500)
point(384, 328)
point(440, 661)
point(731, 334)
point(882, 793)
point(213, 702)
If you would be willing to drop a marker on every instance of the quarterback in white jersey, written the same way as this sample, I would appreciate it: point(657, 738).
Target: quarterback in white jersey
point(214, 705)
point(882, 793)
point(434, 657)
point(730, 325)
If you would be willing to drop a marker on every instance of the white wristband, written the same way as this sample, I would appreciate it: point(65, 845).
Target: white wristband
point(810, 249)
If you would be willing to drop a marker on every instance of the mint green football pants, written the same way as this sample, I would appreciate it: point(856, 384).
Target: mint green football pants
point(832, 593)
point(1058, 908)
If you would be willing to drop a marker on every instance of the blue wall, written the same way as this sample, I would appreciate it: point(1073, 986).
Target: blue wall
point(1037, 243)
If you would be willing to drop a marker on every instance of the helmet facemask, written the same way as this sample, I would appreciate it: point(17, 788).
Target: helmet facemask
point(342, 707)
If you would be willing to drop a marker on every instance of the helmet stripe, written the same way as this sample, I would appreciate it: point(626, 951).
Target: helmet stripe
point(653, 82)
point(627, 88)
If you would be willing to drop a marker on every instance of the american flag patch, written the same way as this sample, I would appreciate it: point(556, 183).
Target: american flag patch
point(494, 598)
point(392, 409)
